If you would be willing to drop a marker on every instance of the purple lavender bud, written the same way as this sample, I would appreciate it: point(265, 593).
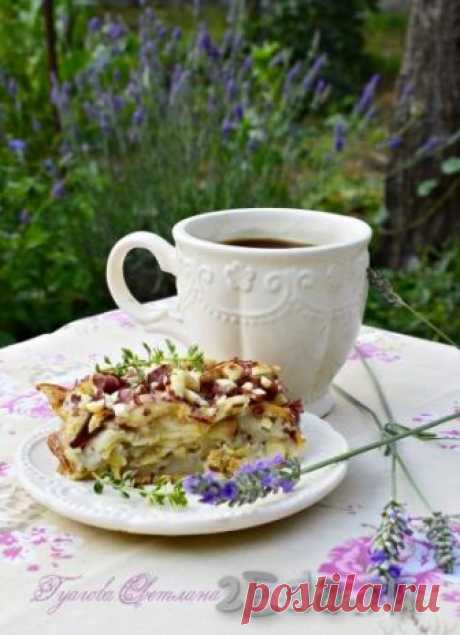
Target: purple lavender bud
point(115, 30)
point(227, 127)
point(95, 24)
point(238, 112)
point(313, 72)
point(394, 570)
point(190, 483)
point(229, 491)
point(367, 96)
point(247, 64)
point(117, 103)
point(207, 46)
point(24, 217)
point(378, 556)
point(287, 485)
point(176, 33)
point(11, 87)
point(139, 116)
point(58, 189)
point(179, 79)
point(231, 88)
point(340, 132)
point(394, 142)
point(17, 145)
point(430, 145)
point(320, 87)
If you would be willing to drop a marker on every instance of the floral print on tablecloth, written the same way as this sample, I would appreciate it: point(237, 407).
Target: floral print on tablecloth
point(37, 546)
point(377, 346)
point(417, 561)
point(450, 430)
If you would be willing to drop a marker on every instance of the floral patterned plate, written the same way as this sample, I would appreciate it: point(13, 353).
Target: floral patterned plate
point(36, 470)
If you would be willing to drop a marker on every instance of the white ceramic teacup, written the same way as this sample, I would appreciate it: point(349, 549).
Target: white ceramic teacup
point(299, 307)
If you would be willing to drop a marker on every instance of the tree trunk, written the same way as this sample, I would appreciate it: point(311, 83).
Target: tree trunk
point(51, 50)
point(425, 119)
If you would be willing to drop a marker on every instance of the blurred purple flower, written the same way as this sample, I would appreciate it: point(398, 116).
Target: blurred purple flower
point(313, 72)
point(394, 142)
point(231, 89)
point(179, 79)
point(117, 103)
point(247, 64)
point(207, 46)
point(115, 30)
point(227, 127)
point(340, 132)
point(24, 217)
point(139, 116)
point(429, 145)
point(238, 112)
point(17, 146)
point(367, 96)
point(176, 33)
point(58, 189)
point(11, 87)
point(95, 24)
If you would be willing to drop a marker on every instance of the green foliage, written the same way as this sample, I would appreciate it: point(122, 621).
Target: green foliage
point(296, 25)
point(431, 286)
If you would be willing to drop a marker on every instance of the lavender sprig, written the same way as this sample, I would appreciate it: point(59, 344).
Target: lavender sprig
point(388, 543)
point(439, 533)
point(386, 290)
point(250, 483)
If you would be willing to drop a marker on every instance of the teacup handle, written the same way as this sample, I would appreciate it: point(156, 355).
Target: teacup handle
point(166, 257)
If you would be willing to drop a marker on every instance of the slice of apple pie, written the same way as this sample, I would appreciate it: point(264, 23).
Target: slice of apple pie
point(171, 415)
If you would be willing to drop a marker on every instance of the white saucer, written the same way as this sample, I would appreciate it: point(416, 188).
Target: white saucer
point(36, 469)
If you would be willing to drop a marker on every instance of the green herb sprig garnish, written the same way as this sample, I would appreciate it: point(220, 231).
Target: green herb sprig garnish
point(192, 360)
point(160, 493)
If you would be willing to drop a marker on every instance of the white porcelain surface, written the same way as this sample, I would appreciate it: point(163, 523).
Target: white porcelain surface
point(36, 469)
point(300, 308)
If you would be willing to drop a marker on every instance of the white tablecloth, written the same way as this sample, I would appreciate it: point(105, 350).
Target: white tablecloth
point(50, 564)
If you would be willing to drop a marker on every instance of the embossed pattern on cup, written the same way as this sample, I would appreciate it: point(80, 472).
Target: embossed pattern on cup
point(300, 308)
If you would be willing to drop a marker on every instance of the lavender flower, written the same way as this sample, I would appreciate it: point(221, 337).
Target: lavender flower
point(17, 146)
point(58, 189)
point(24, 217)
point(441, 537)
point(291, 76)
point(388, 543)
point(207, 46)
point(247, 64)
point(340, 132)
point(394, 142)
point(231, 89)
point(429, 146)
point(314, 71)
point(227, 127)
point(115, 30)
point(252, 482)
point(139, 116)
point(179, 79)
point(11, 87)
point(238, 112)
point(378, 281)
point(176, 33)
point(95, 24)
point(367, 96)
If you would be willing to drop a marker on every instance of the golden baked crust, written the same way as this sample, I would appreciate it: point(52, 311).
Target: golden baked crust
point(170, 418)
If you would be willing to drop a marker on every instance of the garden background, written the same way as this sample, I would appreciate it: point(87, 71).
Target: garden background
point(119, 116)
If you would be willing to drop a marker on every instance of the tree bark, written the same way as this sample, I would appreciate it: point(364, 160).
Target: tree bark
point(51, 50)
point(426, 117)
